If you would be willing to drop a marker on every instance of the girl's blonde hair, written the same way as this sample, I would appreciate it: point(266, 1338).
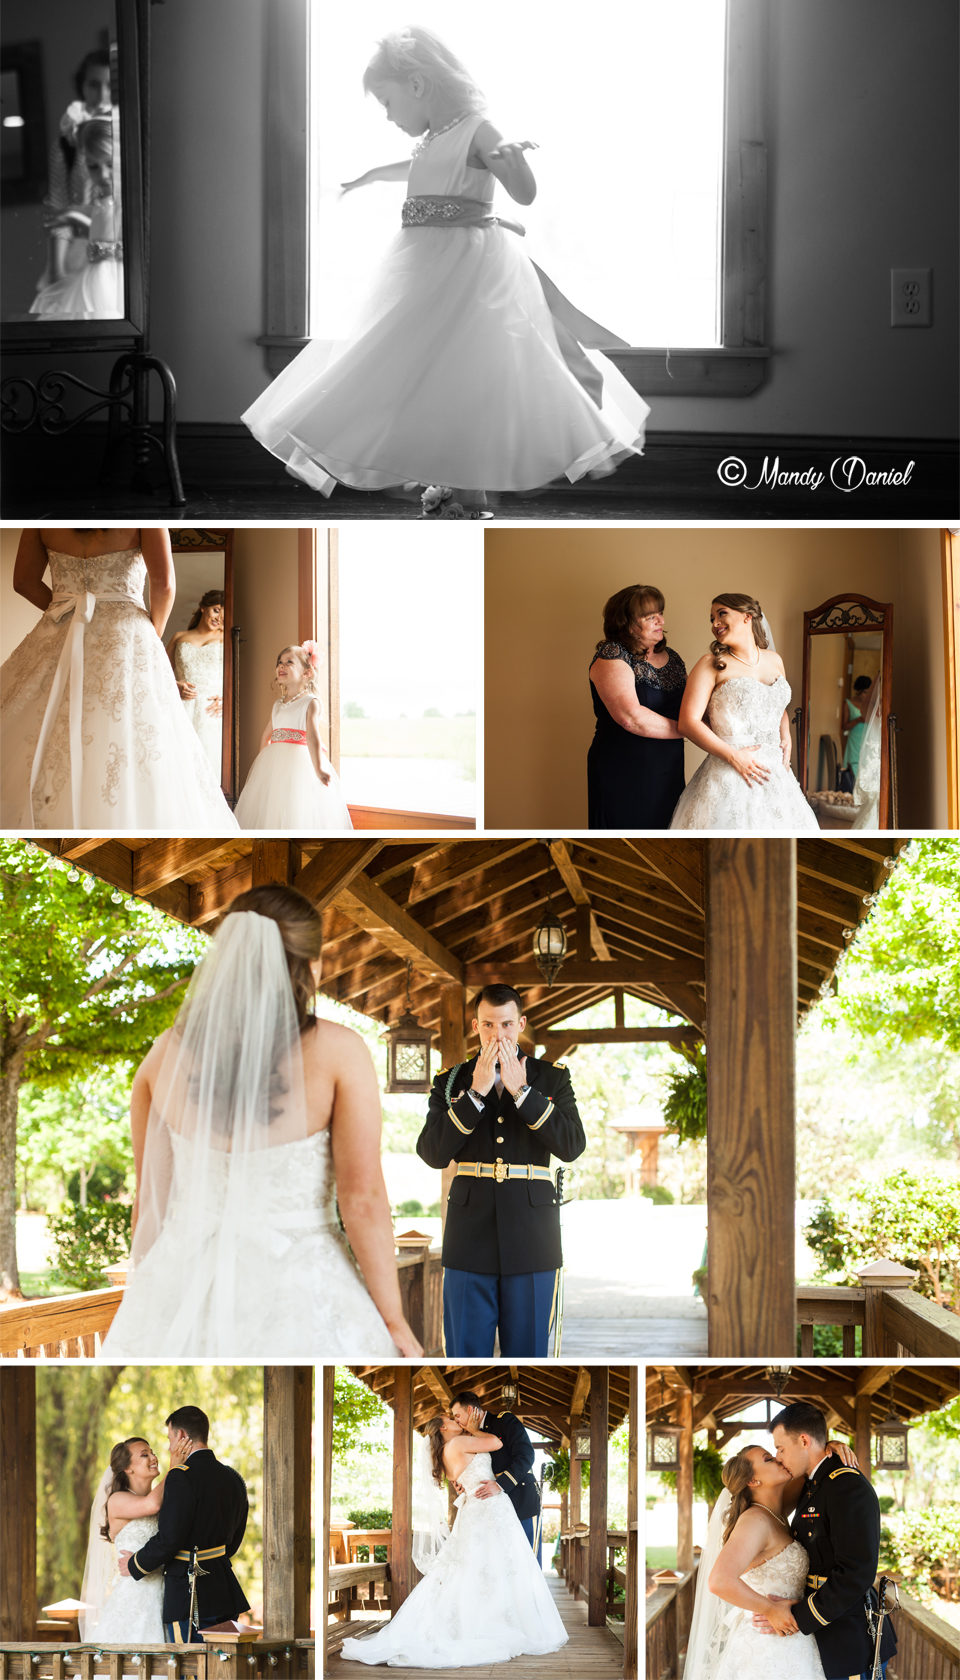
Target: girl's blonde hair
point(308, 655)
point(407, 52)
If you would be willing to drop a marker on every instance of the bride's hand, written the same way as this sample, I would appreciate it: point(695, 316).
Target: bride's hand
point(845, 1454)
point(179, 1453)
point(745, 762)
point(405, 1340)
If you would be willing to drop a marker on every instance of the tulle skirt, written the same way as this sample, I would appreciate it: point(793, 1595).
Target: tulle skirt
point(284, 791)
point(452, 375)
point(94, 293)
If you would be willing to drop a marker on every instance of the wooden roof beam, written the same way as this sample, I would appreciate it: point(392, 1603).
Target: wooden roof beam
point(334, 867)
point(161, 861)
point(575, 972)
point(376, 912)
point(678, 861)
point(588, 931)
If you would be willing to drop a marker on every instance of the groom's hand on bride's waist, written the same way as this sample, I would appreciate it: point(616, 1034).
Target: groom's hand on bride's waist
point(486, 1490)
point(778, 1619)
point(123, 1563)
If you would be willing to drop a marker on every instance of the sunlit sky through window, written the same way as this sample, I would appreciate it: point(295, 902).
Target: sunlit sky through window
point(626, 104)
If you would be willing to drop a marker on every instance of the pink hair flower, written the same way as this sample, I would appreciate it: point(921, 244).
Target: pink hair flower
point(313, 654)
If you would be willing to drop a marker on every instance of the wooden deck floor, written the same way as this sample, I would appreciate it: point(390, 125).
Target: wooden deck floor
point(634, 1338)
point(590, 1653)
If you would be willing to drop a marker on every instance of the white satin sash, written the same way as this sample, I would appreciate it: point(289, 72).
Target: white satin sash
point(82, 603)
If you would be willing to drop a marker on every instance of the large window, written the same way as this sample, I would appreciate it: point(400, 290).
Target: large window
point(627, 110)
point(409, 617)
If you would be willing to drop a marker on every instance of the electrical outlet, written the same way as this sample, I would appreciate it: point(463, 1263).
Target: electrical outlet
point(910, 297)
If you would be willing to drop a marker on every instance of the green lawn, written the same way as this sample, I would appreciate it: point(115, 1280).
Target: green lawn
point(451, 738)
point(661, 1557)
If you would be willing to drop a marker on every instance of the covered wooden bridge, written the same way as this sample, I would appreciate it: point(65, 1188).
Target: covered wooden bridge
point(34, 1647)
point(733, 939)
point(558, 1405)
point(857, 1401)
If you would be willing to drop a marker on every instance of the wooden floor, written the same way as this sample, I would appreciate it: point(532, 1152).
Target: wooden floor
point(590, 1653)
point(594, 1339)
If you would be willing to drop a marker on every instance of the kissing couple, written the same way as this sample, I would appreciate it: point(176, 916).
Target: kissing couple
point(808, 1582)
point(483, 1598)
point(159, 1556)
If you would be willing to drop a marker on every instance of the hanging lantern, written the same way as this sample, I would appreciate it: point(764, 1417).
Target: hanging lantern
point(581, 1442)
point(891, 1436)
point(549, 945)
point(509, 1394)
point(778, 1376)
point(663, 1446)
point(408, 1053)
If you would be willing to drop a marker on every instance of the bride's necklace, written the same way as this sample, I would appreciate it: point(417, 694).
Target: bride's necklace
point(435, 133)
point(782, 1520)
point(739, 656)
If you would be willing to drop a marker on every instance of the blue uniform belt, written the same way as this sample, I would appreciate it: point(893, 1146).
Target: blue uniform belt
point(817, 1580)
point(201, 1554)
point(500, 1170)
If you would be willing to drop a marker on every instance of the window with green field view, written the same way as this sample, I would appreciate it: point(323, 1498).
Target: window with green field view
point(410, 619)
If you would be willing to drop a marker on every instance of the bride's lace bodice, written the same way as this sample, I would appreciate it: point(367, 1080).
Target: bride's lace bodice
point(479, 1469)
point(123, 572)
point(295, 1182)
point(747, 713)
point(784, 1575)
point(200, 663)
point(135, 1534)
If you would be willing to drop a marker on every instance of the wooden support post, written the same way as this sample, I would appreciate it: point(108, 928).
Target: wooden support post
point(685, 1482)
point(861, 1433)
point(576, 1481)
point(329, 1378)
point(751, 975)
point(401, 1567)
point(453, 1049)
point(874, 1279)
point(597, 1550)
point(618, 1008)
point(287, 1488)
point(632, 1588)
point(18, 1504)
point(274, 861)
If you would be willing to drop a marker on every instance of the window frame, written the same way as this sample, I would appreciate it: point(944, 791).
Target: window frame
point(735, 367)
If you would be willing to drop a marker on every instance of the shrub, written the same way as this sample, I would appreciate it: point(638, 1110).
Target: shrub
point(909, 1217)
point(89, 1239)
point(658, 1194)
point(924, 1546)
point(379, 1517)
point(707, 1473)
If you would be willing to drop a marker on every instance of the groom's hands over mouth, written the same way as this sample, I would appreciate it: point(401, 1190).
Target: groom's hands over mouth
point(511, 1066)
point(485, 1072)
point(778, 1619)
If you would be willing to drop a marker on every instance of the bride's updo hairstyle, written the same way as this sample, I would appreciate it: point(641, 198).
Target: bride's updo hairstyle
point(301, 929)
point(626, 605)
point(436, 1443)
point(412, 51)
point(120, 1456)
point(737, 1473)
point(739, 604)
point(212, 598)
point(309, 656)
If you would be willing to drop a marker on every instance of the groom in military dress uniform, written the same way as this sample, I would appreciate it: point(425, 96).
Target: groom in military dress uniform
point(500, 1117)
point(837, 1521)
point(512, 1464)
point(201, 1524)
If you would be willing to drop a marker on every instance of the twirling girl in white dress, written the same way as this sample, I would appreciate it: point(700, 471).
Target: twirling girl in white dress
point(94, 291)
point(252, 1122)
point(118, 1609)
point(466, 370)
point(292, 783)
point(735, 708)
point(483, 1598)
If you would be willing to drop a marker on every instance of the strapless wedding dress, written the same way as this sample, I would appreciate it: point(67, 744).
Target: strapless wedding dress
point(484, 1600)
point(746, 713)
point(134, 1610)
point(94, 734)
point(297, 1292)
point(749, 1654)
point(201, 663)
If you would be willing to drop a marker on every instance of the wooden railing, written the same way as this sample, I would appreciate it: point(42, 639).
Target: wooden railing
point(574, 1547)
point(353, 1588)
point(273, 1659)
point(669, 1613)
point(881, 1318)
point(927, 1647)
point(73, 1326)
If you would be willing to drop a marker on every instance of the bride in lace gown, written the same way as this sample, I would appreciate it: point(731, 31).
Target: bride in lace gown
point(94, 734)
point(196, 655)
point(735, 708)
point(251, 1119)
point(749, 1560)
point(483, 1598)
point(117, 1609)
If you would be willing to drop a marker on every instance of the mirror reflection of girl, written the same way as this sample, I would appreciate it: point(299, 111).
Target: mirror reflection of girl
point(95, 290)
point(69, 188)
point(196, 655)
point(465, 371)
point(292, 783)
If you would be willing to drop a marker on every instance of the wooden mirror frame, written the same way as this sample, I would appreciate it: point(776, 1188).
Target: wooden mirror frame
point(186, 540)
point(842, 615)
point(45, 333)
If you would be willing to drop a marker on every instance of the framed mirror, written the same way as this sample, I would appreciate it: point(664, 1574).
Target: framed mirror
point(845, 726)
point(201, 641)
point(73, 202)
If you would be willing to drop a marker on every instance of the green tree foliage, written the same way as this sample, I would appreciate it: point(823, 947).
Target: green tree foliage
point(74, 1140)
point(908, 1217)
point(88, 976)
point(924, 1547)
point(82, 1412)
point(901, 979)
point(88, 1239)
point(355, 1409)
point(707, 1473)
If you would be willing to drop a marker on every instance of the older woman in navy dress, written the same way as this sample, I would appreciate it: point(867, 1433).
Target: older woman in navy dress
point(635, 762)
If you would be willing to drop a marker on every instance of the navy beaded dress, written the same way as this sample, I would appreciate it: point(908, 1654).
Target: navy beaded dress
point(634, 781)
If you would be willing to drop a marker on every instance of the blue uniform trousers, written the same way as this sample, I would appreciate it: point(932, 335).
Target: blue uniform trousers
point(178, 1633)
point(477, 1304)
